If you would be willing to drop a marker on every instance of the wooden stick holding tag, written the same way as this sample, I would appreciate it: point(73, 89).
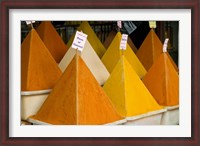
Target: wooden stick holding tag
point(76, 84)
point(31, 25)
point(76, 54)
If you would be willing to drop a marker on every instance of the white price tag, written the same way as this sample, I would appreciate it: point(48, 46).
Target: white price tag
point(152, 24)
point(29, 22)
point(165, 45)
point(79, 41)
point(119, 24)
point(123, 41)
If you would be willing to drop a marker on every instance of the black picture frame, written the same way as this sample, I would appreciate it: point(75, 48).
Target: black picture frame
point(6, 5)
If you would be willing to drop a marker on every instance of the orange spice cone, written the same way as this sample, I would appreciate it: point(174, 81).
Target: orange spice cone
point(113, 55)
point(172, 61)
point(39, 69)
point(127, 91)
point(91, 59)
point(163, 82)
point(77, 99)
point(110, 38)
point(150, 50)
point(52, 40)
point(92, 38)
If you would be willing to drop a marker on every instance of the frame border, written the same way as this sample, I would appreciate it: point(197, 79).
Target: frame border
point(194, 5)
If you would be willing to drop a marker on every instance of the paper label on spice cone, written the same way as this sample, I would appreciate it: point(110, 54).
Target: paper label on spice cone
point(123, 41)
point(79, 40)
point(29, 22)
point(119, 24)
point(152, 24)
point(165, 45)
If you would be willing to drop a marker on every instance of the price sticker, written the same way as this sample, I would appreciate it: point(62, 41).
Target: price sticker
point(79, 40)
point(165, 45)
point(152, 24)
point(123, 41)
point(119, 24)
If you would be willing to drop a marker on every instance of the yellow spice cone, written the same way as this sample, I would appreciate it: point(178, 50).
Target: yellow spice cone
point(163, 82)
point(92, 38)
point(91, 59)
point(39, 71)
point(150, 50)
point(127, 92)
point(77, 99)
point(52, 40)
point(113, 54)
point(112, 35)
